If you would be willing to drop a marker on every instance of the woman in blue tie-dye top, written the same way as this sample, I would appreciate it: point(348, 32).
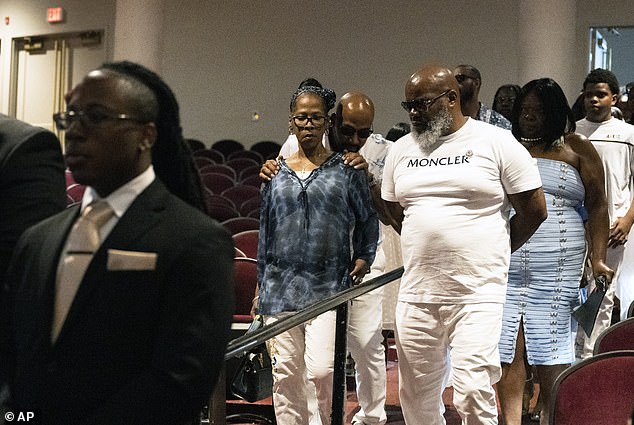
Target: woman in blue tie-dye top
point(318, 233)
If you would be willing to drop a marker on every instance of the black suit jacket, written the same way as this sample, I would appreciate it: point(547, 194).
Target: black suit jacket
point(137, 346)
point(32, 183)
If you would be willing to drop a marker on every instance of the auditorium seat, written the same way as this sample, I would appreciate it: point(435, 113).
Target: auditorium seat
point(240, 224)
point(595, 391)
point(226, 146)
point(247, 242)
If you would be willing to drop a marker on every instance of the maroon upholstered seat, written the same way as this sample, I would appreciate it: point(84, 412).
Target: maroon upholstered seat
point(253, 180)
point(595, 391)
point(247, 207)
point(221, 212)
point(267, 149)
point(219, 169)
point(239, 164)
point(249, 172)
point(216, 182)
point(246, 154)
point(619, 336)
point(226, 146)
point(217, 156)
point(241, 193)
point(247, 242)
point(245, 275)
point(240, 224)
point(75, 192)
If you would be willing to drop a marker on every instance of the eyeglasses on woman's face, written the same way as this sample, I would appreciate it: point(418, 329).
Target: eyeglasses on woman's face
point(302, 120)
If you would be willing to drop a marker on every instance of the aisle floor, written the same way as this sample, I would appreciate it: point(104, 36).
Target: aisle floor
point(393, 409)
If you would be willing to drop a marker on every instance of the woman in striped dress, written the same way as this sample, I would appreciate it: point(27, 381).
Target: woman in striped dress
point(545, 272)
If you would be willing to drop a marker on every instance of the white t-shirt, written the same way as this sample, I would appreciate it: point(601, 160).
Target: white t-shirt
point(456, 234)
point(614, 141)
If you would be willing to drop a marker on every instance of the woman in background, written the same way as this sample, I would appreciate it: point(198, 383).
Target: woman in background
point(505, 98)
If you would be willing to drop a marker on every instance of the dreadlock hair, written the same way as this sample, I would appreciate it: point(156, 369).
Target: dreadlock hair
point(171, 155)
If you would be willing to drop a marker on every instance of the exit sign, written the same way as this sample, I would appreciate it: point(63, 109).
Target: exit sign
point(54, 15)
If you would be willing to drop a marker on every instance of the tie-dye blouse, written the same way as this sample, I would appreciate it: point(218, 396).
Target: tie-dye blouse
point(307, 230)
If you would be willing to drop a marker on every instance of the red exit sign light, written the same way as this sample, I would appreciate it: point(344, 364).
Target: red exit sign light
point(54, 15)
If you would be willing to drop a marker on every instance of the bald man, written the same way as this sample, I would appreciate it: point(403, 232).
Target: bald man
point(351, 130)
point(450, 185)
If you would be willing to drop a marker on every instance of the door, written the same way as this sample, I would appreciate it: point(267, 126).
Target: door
point(44, 69)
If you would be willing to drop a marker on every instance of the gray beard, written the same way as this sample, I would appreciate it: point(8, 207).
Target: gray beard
point(427, 138)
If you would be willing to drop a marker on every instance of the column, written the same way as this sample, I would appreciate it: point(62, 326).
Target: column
point(138, 32)
point(547, 44)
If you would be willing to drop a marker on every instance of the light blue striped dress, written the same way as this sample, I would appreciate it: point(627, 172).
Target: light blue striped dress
point(544, 273)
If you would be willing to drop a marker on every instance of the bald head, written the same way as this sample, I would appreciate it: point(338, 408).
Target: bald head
point(432, 77)
point(355, 104)
point(438, 84)
point(353, 122)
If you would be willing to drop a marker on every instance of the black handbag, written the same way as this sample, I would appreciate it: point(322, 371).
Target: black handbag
point(253, 381)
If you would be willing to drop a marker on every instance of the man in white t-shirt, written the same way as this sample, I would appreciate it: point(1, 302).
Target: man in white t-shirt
point(614, 141)
point(450, 184)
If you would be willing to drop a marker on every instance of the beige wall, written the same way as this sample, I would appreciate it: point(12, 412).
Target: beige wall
point(28, 18)
point(226, 59)
point(251, 58)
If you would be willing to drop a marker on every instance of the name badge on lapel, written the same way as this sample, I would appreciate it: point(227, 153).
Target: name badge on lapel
point(119, 260)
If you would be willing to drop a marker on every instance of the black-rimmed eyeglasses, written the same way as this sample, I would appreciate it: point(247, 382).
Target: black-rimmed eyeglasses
point(422, 105)
point(88, 119)
point(316, 120)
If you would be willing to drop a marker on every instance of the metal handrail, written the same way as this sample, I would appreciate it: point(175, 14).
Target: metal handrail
point(246, 342)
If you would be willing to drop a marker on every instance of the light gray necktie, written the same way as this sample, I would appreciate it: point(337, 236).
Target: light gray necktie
point(83, 241)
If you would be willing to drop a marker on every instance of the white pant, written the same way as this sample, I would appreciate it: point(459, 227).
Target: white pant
point(301, 355)
point(425, 334)
point(625, 288)
point(365, 343)
point(584, 344)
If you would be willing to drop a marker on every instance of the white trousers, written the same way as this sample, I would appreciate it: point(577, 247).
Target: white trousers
point(365, 343)
point(625, 288)
point(425, 335)
point(302, 355)
point(584, 344)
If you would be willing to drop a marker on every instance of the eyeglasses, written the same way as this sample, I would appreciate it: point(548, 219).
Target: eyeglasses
point(88, 119)
point(461, 77)
point(350, 131)
point(302, 120)
point(422, 105)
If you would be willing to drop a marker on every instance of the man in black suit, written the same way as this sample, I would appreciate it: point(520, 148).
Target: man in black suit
point(144, 338)
point(32, 183)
